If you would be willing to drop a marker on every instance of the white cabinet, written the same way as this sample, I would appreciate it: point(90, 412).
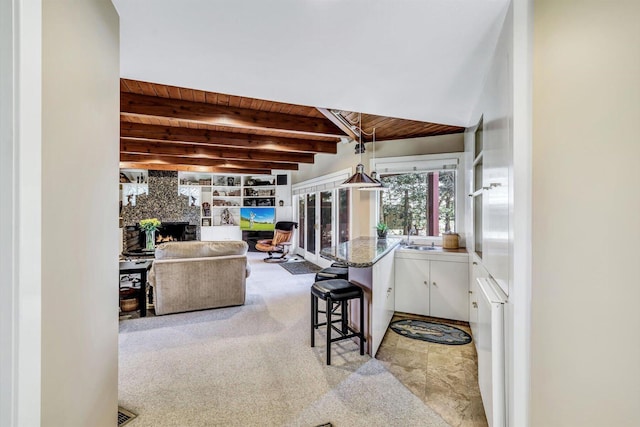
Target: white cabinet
point(412, 290)
point(378, 284)
point(383, 304)
point(497, 167)
point(449, 290)
point(432, 284)
point(229, 232)
point(477, 272)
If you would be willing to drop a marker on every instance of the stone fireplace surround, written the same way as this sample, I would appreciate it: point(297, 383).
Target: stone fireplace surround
point(162, 202)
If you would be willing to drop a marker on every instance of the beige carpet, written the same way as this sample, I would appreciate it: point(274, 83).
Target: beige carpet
point(252, 366)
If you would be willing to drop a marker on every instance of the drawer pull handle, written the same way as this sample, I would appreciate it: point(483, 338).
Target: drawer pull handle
point(475, 304)
point(434, 284)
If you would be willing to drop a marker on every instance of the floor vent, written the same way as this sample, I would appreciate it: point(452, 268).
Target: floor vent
point(124, 416)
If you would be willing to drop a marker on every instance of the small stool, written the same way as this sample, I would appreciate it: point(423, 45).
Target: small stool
point(332, 273)
point(336, 293)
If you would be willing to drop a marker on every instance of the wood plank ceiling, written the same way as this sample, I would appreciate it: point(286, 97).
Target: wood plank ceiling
point(170, 128)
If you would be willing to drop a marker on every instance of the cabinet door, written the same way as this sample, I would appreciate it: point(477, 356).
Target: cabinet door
point(449, 297)
point(496, 170)
point(383, 296)
point(412, 286)
point(477, 271)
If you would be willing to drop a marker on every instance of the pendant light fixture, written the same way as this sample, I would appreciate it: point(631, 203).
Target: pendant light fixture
point(374, 175)
point(360, 179)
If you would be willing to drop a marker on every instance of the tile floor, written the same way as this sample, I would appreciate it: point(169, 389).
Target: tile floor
point(445, 377)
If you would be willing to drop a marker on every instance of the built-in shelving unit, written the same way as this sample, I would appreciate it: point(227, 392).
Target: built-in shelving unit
point(133, 183)
point(221, 196)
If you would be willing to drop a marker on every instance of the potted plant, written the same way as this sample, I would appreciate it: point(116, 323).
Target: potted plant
point(149, 226)
point(382, 229)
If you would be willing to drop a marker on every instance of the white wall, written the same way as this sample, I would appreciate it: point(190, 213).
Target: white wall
point(586, 209)
point(80, 131)
point(346, 158)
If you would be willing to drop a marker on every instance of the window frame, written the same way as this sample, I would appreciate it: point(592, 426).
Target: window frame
point(419, 164)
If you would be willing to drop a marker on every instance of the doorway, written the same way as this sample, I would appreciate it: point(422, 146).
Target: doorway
point(324, 221)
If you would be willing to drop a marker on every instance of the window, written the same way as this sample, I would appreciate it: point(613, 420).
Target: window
point(343, 215)
point(423, 203)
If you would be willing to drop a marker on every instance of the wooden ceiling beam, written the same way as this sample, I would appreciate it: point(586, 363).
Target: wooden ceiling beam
point(199, 161)
point(191, 168)
point(191, 150)
point(220, 138)
point(339, 123)
point(220, 115)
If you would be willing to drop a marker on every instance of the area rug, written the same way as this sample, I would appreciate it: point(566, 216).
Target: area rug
point(300, 267)
point(431, 332)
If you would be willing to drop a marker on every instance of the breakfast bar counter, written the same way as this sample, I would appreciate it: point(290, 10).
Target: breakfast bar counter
point(371, 266)
point(361, 252)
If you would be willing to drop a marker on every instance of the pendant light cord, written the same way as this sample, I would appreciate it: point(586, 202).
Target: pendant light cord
point(361, 132)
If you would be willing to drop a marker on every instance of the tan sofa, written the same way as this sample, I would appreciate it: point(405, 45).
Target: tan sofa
point(196, 275)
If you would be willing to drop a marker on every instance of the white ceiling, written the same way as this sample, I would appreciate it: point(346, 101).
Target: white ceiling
point(415, 59)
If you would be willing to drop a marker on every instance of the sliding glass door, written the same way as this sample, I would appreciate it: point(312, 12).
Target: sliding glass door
point(302, 217)
point(326, 219)
point(310, 227)
point(323, 218)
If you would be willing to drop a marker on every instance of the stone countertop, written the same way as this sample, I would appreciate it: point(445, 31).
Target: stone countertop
point(435, 250)
point(361, 252)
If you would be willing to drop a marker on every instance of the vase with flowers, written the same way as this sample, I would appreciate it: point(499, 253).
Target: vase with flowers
point(149, 226)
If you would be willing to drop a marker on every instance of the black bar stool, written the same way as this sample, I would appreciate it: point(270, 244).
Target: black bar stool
point(332, 273)
point(336, 293)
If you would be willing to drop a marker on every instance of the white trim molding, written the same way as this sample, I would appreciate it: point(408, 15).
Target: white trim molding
point(20, 212)
point(324, 182)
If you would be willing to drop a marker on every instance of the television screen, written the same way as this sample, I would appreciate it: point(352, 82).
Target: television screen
point(258, 219)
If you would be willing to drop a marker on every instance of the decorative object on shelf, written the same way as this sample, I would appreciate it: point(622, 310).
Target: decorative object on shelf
point(124, 178)
point(382, 230)
point(430, 331)
point(360, 179)
point(206, 209)
point(231, 181)
point(150, 226)
point(206, 222)
point(226, 218)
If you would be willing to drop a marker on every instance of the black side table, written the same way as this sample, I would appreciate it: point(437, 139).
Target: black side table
point(138, 267)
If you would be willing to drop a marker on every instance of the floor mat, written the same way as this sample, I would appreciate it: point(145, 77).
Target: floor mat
point(302, 267)
point(431, 332)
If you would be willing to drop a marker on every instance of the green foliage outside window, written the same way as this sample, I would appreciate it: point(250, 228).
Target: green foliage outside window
point(405, 206)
